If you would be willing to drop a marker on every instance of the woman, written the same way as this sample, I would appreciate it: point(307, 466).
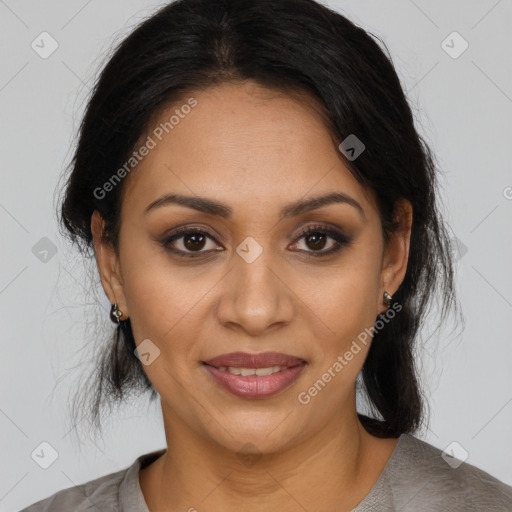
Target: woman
point(264, 219)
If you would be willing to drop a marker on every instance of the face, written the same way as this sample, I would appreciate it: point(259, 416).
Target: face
point(242, 264)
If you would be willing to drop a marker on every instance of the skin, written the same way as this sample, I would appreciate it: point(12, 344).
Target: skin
point(255, 150)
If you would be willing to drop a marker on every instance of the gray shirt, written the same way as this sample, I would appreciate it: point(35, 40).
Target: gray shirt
point(415, 479)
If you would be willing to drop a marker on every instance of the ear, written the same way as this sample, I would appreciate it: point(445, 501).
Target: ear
point(396, 253)
point(108, 265)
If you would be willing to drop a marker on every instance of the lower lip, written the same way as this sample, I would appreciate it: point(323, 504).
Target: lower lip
point(254, 386)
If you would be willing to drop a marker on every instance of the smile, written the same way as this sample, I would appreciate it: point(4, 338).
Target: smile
point(245, 372)
point(254, 376)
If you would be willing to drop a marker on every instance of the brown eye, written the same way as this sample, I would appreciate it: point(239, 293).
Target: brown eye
point(316, 238)
point(189, 242)
point(194, 241)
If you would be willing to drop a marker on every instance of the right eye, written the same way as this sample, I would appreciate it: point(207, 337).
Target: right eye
point(192, 241)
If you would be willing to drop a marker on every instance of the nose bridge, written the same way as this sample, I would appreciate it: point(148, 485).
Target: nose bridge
point(255, 298)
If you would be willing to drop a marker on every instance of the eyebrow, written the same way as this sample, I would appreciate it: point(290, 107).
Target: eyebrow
point(212, 207)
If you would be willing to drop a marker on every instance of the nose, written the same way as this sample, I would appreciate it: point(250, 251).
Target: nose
point(257, 297)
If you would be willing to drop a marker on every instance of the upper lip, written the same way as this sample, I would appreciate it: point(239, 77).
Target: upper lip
point(261, 360)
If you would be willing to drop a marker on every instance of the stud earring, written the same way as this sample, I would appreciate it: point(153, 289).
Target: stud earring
point(387, 299)
point(115, 314)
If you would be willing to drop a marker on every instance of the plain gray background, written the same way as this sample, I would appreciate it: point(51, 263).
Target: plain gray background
point(464, 109)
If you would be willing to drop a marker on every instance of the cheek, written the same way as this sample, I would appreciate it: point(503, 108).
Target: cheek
point(346, 299)
point(346, 304)
point(160, 296)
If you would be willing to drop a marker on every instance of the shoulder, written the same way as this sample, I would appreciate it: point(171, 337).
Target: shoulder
point(113, 492)
point(423, 477)
point(98, 494)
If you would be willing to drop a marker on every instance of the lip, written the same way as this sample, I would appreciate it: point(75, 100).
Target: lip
point(247, 360)
point(254, 386)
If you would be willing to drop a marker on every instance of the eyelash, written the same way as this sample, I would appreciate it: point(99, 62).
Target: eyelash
point(340, 239)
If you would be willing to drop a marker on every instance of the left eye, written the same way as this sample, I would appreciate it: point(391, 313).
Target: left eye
point(193, 241)
point(315, 239)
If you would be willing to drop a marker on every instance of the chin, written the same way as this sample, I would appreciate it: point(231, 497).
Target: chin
point(264, 432)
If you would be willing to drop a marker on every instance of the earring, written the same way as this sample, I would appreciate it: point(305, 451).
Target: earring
point(387, 299)
point(115, 314)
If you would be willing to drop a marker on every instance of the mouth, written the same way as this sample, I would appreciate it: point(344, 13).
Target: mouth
point(255, 376)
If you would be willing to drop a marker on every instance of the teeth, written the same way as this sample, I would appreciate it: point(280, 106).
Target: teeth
point(267, 371)
point(245, 372)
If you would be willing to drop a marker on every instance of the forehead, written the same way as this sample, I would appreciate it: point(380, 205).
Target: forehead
point(241, 144)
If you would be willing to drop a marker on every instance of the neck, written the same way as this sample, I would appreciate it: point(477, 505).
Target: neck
point(332, 470)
